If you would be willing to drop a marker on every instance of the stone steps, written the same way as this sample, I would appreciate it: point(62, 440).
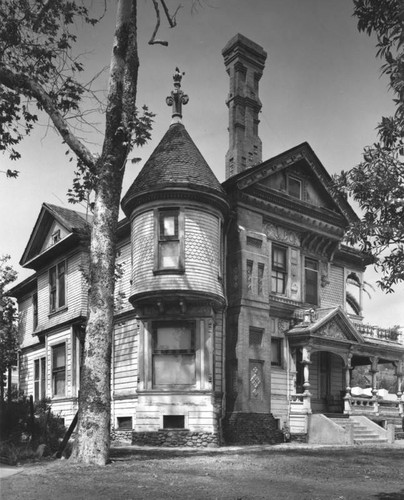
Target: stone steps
point(362, 434)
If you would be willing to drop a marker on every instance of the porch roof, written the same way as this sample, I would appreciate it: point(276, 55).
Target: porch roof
point(331, 329)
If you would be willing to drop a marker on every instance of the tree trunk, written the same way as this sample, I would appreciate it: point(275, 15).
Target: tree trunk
point(93, 434)
point(9, 384)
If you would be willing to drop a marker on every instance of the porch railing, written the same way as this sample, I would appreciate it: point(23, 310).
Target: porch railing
point(358, 405)
point(376, 332)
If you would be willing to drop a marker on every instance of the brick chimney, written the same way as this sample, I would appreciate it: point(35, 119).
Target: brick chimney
point(244, 61)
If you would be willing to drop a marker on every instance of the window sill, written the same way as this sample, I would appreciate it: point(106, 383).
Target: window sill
point(57, 311)
point(168, 271)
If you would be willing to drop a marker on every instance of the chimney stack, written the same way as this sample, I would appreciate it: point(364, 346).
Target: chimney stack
point(244, 61)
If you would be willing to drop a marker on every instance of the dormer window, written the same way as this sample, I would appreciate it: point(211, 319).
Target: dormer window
point(295, 188)
point(55, 237)
point(170, 244)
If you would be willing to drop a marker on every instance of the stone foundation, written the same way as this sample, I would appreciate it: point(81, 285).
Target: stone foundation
point(121, 436)
point(251, 428)
point(176, 438)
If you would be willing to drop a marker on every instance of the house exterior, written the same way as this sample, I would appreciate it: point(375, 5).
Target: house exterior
point(233, 315)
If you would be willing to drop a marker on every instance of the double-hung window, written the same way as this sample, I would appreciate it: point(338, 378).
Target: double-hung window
point(59, 370)
point(311, 281)
point(276, 351)
point(39, 379)
point(279, 269)
point(170, 240)
point(57, 286)
point(174, 355)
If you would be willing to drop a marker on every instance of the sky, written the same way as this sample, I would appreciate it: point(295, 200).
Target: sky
point(321, 84)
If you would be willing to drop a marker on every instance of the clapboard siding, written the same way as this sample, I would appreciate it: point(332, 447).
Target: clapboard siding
point(122, 285)
point(76, 293)
point(26, 322)
point(125, 358)
point(218, 354)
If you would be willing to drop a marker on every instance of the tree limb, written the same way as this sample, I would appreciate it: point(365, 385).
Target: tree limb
point(20, 82)
point(171, 21)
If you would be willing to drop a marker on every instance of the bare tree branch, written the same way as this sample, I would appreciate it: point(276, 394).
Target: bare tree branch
point(18, 81)
point(170, 18)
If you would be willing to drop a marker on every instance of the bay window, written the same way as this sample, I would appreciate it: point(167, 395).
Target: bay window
point(174, 355)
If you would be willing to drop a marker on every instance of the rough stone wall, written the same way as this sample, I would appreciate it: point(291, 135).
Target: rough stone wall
point(252, 428)
point(176, 438)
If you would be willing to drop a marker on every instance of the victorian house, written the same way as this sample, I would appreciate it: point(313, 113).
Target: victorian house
point(234, 318)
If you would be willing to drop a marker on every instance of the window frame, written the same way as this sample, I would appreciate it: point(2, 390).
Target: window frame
point(278, 341)
point(35, 311)
point(162, 239)
point(191, 352)
point(57, 286)
point(297, 180)
point(307, 271)
point(279, 273)
point(56, 370)
point(39, 378)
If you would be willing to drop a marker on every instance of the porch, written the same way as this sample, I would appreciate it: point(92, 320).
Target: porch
point(326, 348)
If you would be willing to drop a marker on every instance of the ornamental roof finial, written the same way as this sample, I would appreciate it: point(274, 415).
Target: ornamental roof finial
point(177, 97)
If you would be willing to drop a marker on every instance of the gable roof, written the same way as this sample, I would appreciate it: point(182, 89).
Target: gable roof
point(175, 164)
point(301, 153)
point(72, 221)
point(332, 324)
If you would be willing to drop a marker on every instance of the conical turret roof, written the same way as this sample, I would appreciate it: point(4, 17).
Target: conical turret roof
point(175, 165)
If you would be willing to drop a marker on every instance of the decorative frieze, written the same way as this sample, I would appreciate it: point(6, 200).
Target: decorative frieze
point(281, 234)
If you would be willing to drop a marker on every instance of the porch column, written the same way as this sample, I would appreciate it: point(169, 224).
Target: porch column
point(374, 371)
point(399, 374)
point(306, 353)
point(347, 398)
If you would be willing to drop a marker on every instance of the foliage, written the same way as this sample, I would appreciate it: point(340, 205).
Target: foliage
point(8, 320)
point(18, 439)
point(377, 183)
point(40, 73)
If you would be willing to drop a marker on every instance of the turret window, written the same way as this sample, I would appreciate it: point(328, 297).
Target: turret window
point(170, 240)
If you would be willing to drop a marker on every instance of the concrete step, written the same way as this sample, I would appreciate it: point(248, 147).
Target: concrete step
point(361, 433)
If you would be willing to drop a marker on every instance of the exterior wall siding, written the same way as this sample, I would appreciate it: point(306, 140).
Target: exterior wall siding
point(202, 249)
point(333, 294)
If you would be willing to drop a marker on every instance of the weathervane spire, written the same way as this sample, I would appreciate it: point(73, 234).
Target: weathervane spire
point(177, 97)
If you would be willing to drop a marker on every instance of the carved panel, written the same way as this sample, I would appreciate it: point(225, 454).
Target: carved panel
point(256, 380)
point(331, 330)
point(281, 234)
